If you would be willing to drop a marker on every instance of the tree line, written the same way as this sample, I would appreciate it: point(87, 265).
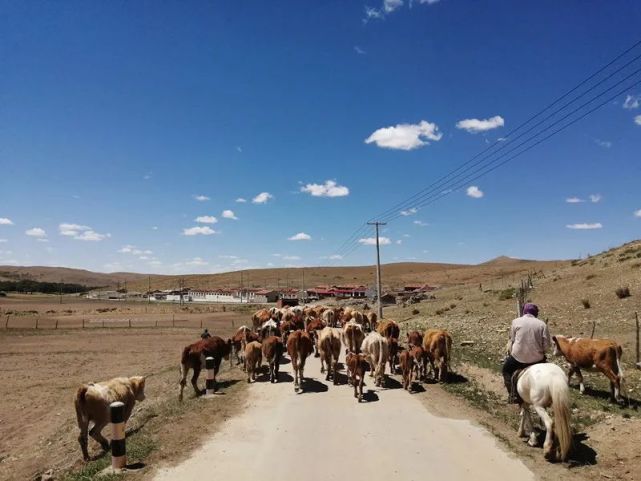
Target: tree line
point(26, 286)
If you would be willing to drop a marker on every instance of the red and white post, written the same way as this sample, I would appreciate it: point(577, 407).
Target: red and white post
point(118, 447)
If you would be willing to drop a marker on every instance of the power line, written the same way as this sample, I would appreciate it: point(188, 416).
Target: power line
point(483, 173)
point(426, 195)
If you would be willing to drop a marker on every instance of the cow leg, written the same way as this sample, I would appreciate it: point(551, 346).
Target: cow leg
point(82, 438)
point(615, 385)
point(96, 433)
point(296, 369)
point(579, 376)
point(360, 388)
point(548, 445)
point(194, 380)
point(334, 367)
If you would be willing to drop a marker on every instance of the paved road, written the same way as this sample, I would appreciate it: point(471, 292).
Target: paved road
point(324, 434)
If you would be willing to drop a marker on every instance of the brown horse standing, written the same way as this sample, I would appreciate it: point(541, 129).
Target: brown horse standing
point(194, 355)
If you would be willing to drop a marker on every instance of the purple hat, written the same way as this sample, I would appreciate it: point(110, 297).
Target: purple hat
point(531, 309)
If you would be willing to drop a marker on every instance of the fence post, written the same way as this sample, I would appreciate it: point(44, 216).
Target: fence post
point(118, 444)
point(156, 322)
point(37, 323)
point(636, 315)
point(201, 323)
point(6, 324)
point(210, 383)
point(83, 323)
point(173, 320)
point(129, 322)
point(56, 323)
point(593, 329)
point(103, 323)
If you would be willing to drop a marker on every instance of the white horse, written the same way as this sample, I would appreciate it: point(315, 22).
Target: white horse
point(541, 386)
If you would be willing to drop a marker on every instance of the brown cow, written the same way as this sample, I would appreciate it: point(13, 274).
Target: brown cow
point(438, 346)
point(357, 366)
point(299, 347)
point(420, 361)
point(242, 336)
point(353, 336)
point(388, 328)
point(376, 349)
point(272, 351)
point(313, 327)
point(92, 404)
point(601, 354)
point(406, 362)
point(193, 357)
point(329, 346)
point(259, 317)
point(253, 359)
point(414, 338)
point(372, 318)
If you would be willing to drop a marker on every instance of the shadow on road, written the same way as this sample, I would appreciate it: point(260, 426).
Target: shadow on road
point(370, 396)
point(582, 454)
point(313, 386)
point(417, 387)
point(456, 378)
point(391, 383)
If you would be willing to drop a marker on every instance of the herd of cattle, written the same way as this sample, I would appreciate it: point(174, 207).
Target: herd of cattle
point(370, 345)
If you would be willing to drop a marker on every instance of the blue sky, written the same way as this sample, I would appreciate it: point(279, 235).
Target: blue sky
point(117, 117)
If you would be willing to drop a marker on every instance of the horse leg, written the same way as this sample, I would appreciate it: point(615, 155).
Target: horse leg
point(82, 438)
point(184, 370)
point(548, 445)
point(521, 432)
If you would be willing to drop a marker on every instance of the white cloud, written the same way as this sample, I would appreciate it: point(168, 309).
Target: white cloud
point(407, 235)
point(606, 144)
point(637, 120)
point(129, 249)
point(408, 212)
point(574, 200)
point(241, 200)
point(291, 258)
point(337, 257)
point(196, 261)
point(474, 126)
point(594, 198)
point(372, 13)
point(81, 232)
point(5, 221)
point(428, 2)
point(637, 213)
point(198, 230)
point(371, 241)
point(405, 136)
point(399, 241)
point(229, 214)
point(474, 192)
point(92, 236)
point(391, 5)
point(3, 240)
point(228, 257)
point(632, 102)
point(329, 189)
point(359, 50)
point(36, 232)
point(201, 198)
point(300, 236)
point(584, 226)
point(154, 227)
point(155, 263)
point(421, 223)
point(262, 198)
point(206, 219)
point(239, 148)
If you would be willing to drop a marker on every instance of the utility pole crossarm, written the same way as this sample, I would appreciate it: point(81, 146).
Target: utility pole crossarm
point(378, 269)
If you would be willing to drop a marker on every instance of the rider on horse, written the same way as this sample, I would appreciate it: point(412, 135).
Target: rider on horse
point(529, 340)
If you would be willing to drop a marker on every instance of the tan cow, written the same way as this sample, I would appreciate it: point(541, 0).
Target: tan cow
point(604, 355)
point(272, 351)
point(356, 366)
point(299, 347)
point(329, 317)
point(438, 347)
point(329, 346)
point(92, 405)
point(261, 316)
point(406, 361)
point(420, 361)
point(253, 359)
point(372, 318)
point(353, 336)
point(414, 338)
point(376, 351)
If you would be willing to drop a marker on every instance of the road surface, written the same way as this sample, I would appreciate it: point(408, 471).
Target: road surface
point(324, 434)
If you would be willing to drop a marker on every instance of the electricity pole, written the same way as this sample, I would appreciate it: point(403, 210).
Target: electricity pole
point(378, 269)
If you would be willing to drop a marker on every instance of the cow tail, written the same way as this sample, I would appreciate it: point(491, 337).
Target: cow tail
point(81, 405)
point(619, 353)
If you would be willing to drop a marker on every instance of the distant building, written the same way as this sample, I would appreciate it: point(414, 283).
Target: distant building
point(340, 292)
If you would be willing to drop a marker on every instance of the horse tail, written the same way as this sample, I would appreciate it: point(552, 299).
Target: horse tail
point(561, 407)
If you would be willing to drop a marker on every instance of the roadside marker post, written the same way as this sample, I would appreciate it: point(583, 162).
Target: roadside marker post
point(118, 443)
point(210, 383)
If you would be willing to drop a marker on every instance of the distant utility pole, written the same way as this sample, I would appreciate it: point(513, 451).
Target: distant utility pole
point(148, 289)
point(241, 287)
point(302, 287)
point(60, 290)
point(378, 269)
